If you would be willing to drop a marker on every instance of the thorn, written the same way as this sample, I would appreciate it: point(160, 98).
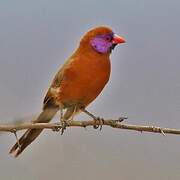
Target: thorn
point(121, 119)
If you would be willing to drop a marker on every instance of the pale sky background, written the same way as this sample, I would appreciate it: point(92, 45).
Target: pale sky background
point(35, 39)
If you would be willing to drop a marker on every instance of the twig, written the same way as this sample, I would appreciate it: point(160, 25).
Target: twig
point(109, 122)
point(15, 134)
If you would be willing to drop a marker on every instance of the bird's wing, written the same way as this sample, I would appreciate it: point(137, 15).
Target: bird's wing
point(54, 88)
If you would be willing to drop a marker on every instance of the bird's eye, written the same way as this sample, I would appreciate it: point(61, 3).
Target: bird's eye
point(108, 38)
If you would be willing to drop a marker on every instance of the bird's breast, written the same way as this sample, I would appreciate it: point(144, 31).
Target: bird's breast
point(84, 79)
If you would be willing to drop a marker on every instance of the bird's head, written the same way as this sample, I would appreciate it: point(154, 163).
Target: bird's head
point(101, 40)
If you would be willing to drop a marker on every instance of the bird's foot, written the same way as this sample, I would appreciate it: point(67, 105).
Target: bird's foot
point(64, 124)
point(98, 123)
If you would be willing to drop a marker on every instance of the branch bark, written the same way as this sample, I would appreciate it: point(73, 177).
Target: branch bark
point(109, 122)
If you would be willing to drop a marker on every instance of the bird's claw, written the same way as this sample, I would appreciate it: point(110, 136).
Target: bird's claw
point(64, 124)
point(98, 123)
point(56, 128)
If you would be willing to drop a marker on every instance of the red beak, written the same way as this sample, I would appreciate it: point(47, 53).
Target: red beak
point(118, 39)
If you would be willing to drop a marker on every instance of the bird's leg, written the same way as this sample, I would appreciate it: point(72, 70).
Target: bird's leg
point(61, 115)
point(63, 122)
point(96, 119)
point(67, 118)
point(73, 114)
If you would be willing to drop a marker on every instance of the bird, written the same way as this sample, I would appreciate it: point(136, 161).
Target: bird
point(77, 83)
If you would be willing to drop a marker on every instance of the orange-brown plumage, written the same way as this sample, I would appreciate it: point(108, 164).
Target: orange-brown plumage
point(78, 82)
point(85, 73)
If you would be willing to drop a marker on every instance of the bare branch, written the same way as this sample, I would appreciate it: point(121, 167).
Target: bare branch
point(109, 122)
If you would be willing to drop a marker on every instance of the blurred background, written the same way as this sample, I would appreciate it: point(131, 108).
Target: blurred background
point(37, 36)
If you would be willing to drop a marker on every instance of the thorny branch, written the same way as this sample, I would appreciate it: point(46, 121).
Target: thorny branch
point(109, 122)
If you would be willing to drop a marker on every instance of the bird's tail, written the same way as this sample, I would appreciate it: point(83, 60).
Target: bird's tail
point(31, 134)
